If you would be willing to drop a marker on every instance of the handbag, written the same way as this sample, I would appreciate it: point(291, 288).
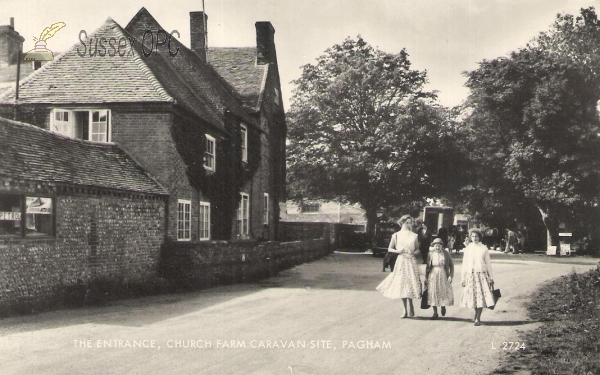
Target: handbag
point(496, 294)
point(424, 304)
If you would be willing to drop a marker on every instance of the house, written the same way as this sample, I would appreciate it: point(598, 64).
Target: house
point(72, 212)
point(216, 144)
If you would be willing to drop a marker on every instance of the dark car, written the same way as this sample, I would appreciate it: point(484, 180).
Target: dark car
point(382, 236)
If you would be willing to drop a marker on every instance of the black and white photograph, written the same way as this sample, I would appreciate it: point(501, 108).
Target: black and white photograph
point(300, 187)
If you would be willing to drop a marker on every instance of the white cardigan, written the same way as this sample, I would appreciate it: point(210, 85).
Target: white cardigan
point(476, 258)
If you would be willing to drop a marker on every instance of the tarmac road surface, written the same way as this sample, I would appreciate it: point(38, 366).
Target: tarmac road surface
point(324, 317)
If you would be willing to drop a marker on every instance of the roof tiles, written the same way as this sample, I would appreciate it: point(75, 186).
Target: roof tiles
point(31, 153)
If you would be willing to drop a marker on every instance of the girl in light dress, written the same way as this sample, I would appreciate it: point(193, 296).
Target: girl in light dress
point(477, 276)
point(404, 282)
point(438, 278)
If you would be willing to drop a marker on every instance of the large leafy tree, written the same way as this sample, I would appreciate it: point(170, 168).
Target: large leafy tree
point(534, 122)
point(361, 129)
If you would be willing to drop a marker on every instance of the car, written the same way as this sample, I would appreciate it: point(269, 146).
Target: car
point(382, 236)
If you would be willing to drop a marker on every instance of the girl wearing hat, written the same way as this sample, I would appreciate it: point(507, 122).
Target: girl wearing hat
point(477, 277)
point(404, 282)
point(438, 278)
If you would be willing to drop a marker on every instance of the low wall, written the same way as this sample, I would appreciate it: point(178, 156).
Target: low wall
point(205, 264)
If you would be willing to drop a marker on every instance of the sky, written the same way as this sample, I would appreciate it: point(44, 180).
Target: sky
point(443, 37)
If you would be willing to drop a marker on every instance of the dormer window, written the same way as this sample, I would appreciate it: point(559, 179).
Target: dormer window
point(89, 125)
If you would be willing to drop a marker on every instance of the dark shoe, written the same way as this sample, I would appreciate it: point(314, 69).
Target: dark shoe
point(477, 323)
point(405, 315)
point(434, 317)
point(443, 310)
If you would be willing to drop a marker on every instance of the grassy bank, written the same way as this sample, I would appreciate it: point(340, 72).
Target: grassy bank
point(568, 341)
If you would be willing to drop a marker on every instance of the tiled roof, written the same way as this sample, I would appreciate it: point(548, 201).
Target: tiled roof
point(193, 83)
point(238, 67)
point(72, 78)
point(31, 153)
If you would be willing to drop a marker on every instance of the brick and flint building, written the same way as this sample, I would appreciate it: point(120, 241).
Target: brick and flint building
point(128, 150)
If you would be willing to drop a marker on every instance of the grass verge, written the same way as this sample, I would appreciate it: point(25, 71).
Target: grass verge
point(568, 341)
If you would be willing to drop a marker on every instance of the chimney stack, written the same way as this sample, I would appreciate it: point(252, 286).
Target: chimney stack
point(10, 44)
point(198, 33)
point(265, 43)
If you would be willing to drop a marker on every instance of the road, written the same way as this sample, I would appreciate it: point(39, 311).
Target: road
point(324, 317)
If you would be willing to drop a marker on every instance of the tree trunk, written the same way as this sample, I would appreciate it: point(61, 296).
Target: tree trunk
point(551, 227)
point(371, 214)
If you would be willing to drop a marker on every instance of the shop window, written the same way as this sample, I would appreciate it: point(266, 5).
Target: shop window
point(204, 221)
point(243, 215)
point(26, 216)
point(210, 153)
point(89, 125)
point(184, 218)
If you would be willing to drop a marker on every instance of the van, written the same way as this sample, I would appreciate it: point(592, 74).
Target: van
point(382, 236)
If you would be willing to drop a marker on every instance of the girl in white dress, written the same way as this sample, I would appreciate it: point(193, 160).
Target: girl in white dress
point(477, 277)
point(404, 282)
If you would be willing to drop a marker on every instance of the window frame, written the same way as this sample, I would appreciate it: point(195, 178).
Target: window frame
point(204, 227)
point(244, 145)
point(70, 123)
point(316, 204)
point(24, 217)
point(213, 156)
point(182, 220)
point(243, 221)
point(266, 208)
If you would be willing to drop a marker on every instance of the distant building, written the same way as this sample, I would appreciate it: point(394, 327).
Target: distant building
point(324, 212)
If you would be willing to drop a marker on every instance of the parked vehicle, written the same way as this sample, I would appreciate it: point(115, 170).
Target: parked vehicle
point(382, 236)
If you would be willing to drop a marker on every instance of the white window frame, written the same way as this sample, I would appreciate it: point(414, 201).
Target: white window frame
point(266, 209)
point(243, 215)
point(184, 220)
point(204, 221)
point(67, 127)
point(244, 134)
point(210, 153)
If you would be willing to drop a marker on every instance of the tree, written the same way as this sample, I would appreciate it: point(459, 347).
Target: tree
point(534, 121)
point(362, 130)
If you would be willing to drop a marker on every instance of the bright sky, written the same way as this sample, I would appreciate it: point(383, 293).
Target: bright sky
point(444, 37)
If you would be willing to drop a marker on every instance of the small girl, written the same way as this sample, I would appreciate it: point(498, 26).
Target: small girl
point(438, 278)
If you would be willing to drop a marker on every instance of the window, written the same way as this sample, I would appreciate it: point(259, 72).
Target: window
point(275, 95)
point(89, 125)
point(26, 216)
point(184, 217)
point(244, 134)
point(209, 153)
point(204, 217)
point(311, 208)
point(243, 215)
point(36, 65)
point(266, 209)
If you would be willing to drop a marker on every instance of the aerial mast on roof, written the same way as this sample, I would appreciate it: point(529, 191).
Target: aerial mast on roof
point(205, 32)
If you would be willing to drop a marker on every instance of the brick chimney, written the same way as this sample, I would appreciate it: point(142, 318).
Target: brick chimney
point(265, 43)
point(10, 44)
point(198, 33)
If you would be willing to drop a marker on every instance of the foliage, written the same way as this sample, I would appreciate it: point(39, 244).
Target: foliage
point(362, 130)
point(569, 339)
point(534, 122)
